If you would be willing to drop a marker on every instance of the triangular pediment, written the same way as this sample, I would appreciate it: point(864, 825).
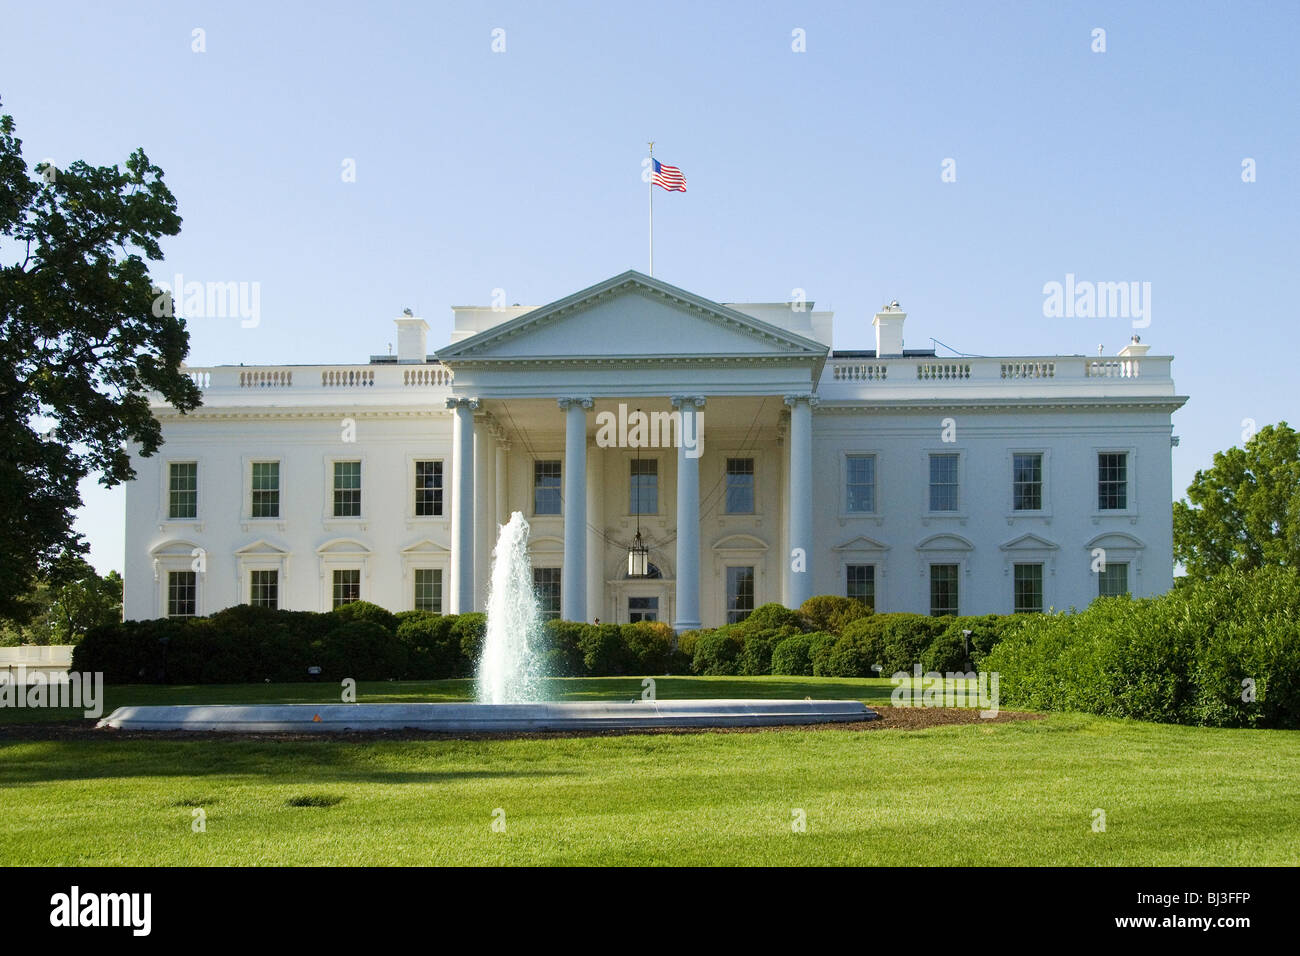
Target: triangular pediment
point(1028, 542)
point(632, 316)
point(261, 547)
point(426, 547)
point(861, 543)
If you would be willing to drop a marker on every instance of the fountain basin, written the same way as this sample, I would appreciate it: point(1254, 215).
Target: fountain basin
point(487, 718)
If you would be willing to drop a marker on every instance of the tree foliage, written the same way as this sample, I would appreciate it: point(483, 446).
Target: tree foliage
point(63, 613)
point(1244, 511)
point(81, 347)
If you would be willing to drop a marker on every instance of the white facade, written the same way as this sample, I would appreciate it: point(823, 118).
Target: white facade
point(887, 474)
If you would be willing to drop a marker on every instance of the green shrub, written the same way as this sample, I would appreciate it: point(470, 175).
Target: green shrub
point(563, 654)
point(687, 639)
point(469, 630)
point(603, 652)
point(717, 651)
point(362, 650)
point(831, 613)
point(650, 645)
point(793, 656)
point(1179, 658)
point(365, 611)
point(432, 646)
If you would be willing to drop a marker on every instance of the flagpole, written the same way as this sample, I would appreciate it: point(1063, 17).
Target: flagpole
point(652, 208)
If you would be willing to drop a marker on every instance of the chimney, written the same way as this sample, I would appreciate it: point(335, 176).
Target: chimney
point(412, 335)
point(1134, 349)
point(889, 330)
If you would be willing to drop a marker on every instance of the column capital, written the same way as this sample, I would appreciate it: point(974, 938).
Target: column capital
point(679, 401)
point(584, 400)
point(470, 403)
point(793, 399)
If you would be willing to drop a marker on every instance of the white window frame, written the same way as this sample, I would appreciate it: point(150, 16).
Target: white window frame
point(961, 511)
point(328, 517)
point(1130, 473)
point(876, 512)
point(1046, 510)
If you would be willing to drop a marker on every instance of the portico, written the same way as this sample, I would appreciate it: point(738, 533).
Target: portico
point(593, 360)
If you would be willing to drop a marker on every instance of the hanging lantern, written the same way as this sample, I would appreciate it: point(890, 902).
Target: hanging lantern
point(638, 558)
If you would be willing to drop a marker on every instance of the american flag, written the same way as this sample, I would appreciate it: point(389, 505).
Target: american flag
point(669, 177)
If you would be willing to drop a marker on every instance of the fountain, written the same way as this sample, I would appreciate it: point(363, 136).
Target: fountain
point(508, 686)
point(509, 667)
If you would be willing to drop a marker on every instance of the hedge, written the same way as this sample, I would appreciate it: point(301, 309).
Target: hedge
point(1224, 652)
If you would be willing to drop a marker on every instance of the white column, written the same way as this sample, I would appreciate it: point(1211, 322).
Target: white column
point(688, 514)
point(798, 562)
point(461, 592)
point(595, 543)
point(483, 537)
point(503, 500)
point(573, 578)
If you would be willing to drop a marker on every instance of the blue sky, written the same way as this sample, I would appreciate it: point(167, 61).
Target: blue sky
point(817, 170)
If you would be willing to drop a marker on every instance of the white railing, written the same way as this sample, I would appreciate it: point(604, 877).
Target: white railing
point(426, 375)
point(1054, 372)
point(942, 370)
point(307, 378)
point(1029, 370)
point(264, 378)
point(347, 377)
point(1112, 368)
point(851, 371)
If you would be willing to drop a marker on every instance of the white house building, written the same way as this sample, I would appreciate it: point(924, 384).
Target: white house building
point(774, 469)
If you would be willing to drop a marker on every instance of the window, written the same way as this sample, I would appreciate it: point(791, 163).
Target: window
point(860, 483)
point(861, 583)
point(1029, 588)
point(347, 586)
point(1112, 580)
point(266, 489)
point(1027, 482)
point(943, 482)
point(182, 593)
point(740, 486)
point(740, 593)
point(546, 582)
point(546, 487)
point(943, 589)
point(1112, 481)
point(347, 489)
point(643, 498)
point(642, 609)
point(264, 589)
point(183, 489)
point(428, 589)
point(428, 489)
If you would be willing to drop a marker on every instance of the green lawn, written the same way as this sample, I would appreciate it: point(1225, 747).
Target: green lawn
point(873, 690)
point(1010, 793)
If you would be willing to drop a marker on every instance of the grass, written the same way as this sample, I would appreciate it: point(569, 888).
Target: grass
point(870, 690)
point(984, 794)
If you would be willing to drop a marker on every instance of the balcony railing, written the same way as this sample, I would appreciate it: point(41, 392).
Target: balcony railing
point(849, 376)
point(301, 382)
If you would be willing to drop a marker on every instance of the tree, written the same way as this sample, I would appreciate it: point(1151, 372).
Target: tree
point(1244, 512)
point(83, 341)
point(62, 614)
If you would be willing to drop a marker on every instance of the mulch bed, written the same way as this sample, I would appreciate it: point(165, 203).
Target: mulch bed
point(891, 718)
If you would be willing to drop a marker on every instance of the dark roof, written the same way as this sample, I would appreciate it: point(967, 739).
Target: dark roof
point(871, 353)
